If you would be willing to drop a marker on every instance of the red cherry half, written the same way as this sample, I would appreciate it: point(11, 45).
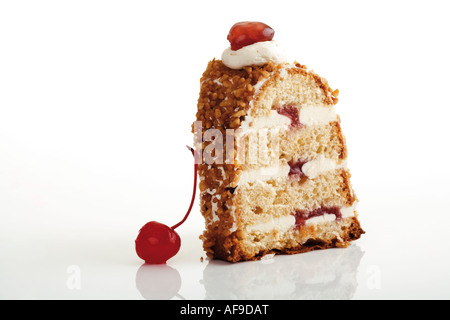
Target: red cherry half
point(156, 242)
point(249, 32)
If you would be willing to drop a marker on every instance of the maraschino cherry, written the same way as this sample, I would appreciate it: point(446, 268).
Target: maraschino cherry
point(249, 32)
point(156, 242)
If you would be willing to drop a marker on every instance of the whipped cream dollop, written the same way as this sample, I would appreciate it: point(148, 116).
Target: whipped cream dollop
point(255, 54)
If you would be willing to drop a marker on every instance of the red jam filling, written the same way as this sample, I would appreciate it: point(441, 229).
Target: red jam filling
point(301, 215)
point(296, 168)
point(249, 32)
point(292, 113)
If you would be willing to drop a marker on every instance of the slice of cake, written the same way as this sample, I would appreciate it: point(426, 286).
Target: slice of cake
point(273, 173)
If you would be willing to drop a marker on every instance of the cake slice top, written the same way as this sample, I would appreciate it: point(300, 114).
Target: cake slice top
point(254, 77)
point(228, 95)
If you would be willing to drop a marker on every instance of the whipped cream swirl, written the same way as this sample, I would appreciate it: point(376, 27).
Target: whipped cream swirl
point(255, 54)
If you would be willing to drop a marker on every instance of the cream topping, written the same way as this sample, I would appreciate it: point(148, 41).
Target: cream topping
point(255, 54)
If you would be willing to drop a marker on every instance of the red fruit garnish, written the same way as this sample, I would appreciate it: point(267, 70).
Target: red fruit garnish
point(156, 242)
point(249, 32)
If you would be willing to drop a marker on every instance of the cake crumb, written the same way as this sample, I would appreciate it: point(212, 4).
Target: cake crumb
point(268, 258)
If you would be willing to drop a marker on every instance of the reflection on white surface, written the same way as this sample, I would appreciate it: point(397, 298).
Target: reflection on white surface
point(158, 282)
point(325, 274)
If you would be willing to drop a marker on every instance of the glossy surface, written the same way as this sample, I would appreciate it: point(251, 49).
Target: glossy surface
point(249, 32)
point(100, 263)
point(156, 243)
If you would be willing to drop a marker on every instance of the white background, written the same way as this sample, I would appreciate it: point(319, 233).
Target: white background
point(96, 103)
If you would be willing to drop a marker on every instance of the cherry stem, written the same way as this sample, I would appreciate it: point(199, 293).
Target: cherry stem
point(193, 192)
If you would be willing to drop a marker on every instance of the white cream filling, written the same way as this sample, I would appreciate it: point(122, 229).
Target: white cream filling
point(317, 115)
point(264, 174)
point(348, 212)
point(312, 169)
point(255, 54)
point(321, 219)
point(280, 224)
point(308, 116)
point(283, 224)
point(273, 120)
